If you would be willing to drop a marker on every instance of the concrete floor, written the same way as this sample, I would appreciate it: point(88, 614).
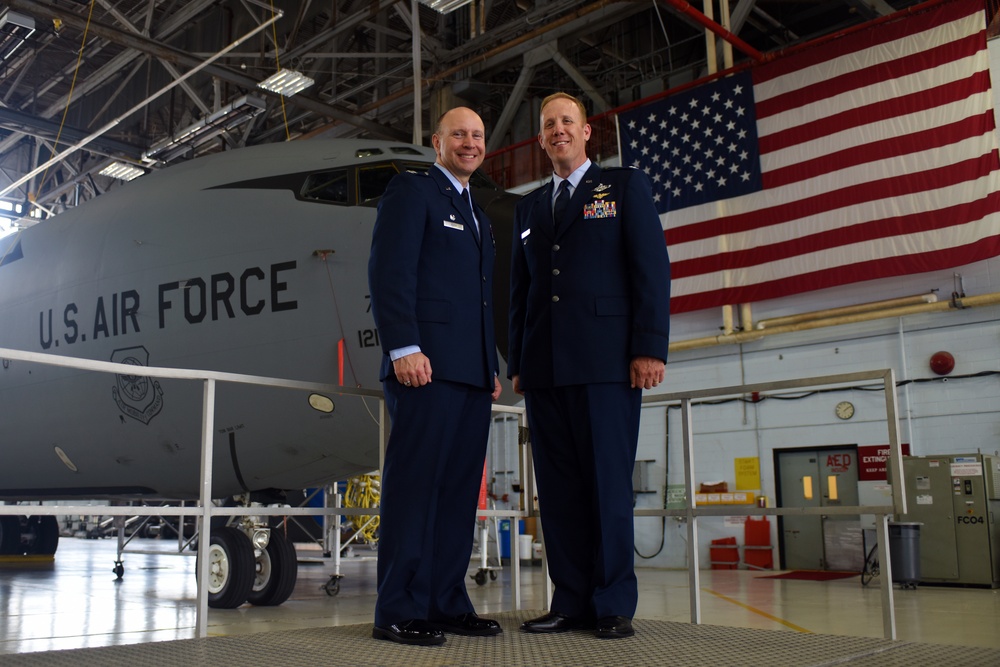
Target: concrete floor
point(76, 601)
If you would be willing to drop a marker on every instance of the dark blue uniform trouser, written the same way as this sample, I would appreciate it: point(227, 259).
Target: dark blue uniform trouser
point(584, 440)
point(431, 477)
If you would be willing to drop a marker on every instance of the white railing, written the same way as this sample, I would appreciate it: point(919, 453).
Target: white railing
point(206, 509)
point(882, 513)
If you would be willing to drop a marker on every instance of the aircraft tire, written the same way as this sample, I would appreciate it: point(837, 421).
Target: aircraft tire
point(10, 536)
point(276, 571)
point(46, 531)
point(231, 568)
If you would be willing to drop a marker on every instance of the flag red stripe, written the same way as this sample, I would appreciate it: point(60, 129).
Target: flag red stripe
point(871, 270)
point(895, 186)
point(871, 113)
point(907, 26)
point(875, 151)
point(952, 216)
point(905, 66)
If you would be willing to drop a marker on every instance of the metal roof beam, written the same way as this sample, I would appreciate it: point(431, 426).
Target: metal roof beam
point(146, 45)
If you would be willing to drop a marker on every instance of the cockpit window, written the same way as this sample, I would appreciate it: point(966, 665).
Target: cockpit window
point(328, 186)
point(372, 181)
point(365, 185)
point(367, 152)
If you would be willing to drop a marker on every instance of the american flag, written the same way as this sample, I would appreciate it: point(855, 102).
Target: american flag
point(868, 156)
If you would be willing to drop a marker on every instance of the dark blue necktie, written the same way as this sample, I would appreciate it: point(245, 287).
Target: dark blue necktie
point(562, 200)
point(472, 209)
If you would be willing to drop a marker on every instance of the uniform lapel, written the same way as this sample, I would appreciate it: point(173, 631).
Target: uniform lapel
point(460, 208)
point(542, 217)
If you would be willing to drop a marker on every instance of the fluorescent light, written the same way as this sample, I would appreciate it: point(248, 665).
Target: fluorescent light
point(286, 82)
point(243, 109)
point(15, 29)
point(125, 172)
point(444, 6)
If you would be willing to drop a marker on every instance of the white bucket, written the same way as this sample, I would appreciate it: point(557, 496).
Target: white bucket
point(524, 546)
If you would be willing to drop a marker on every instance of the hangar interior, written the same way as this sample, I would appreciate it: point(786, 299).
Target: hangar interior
point(145, 83)
point(70, 69)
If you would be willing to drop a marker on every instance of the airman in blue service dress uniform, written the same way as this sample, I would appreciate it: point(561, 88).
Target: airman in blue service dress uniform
point(430, 275)
point(589, 327)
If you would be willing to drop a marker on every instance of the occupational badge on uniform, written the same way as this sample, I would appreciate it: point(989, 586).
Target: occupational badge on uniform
point(602, 187)
point(600, 209)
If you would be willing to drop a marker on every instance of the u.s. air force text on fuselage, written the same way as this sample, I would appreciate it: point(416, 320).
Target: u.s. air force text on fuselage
point(224, 295)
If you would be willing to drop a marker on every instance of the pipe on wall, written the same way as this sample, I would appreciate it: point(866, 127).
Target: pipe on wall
point(821, 322)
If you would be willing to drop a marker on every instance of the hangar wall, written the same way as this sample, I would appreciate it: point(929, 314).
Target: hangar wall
point(946, 415)
point(952, 415)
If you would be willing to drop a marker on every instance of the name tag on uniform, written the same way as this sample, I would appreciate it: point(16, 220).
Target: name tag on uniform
point(600, 209)
point(454, 225)
point(525, 233)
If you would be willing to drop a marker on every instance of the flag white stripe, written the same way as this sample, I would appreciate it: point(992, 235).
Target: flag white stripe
point(876, 92)
point(893, 247)
point(860, 136)
point(875, 55)
point(819, 185)
point(922, 202)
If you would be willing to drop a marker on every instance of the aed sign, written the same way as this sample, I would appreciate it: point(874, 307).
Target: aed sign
point(838, 462)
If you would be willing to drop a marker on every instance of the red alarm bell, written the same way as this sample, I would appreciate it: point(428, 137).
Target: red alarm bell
point(942, 363)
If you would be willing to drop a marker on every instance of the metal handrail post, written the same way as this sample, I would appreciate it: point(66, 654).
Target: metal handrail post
point(205, 531)
point(895, 451)
point(885, 571)
point(694, 574)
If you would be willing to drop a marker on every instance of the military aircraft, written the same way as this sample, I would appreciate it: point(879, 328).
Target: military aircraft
point(251, 261)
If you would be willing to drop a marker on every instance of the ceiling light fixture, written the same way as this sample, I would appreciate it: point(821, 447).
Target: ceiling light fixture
point(15, 29)
point(240, 111)
point(286, 82)
point(121, 170)
point(444, 6)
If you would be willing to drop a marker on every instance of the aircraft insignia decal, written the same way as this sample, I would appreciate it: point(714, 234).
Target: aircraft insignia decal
point(138, 396)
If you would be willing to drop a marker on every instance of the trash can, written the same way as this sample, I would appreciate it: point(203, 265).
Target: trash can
point(904, 552)
point(505, 537)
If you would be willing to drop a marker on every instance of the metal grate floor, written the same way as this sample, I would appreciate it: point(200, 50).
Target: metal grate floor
point(656, 643)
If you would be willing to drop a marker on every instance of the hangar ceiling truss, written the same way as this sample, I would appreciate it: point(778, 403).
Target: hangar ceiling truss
point(498, 56)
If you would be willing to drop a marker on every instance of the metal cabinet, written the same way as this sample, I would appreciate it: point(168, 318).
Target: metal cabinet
point(956, 499)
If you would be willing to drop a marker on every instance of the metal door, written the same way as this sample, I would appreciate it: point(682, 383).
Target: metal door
point(819, 478)
point(801, 536)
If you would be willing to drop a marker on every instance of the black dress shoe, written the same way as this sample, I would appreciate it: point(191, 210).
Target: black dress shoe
point(468, 624)
point(614, 627)
point(551, 622)
point(416, 632)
